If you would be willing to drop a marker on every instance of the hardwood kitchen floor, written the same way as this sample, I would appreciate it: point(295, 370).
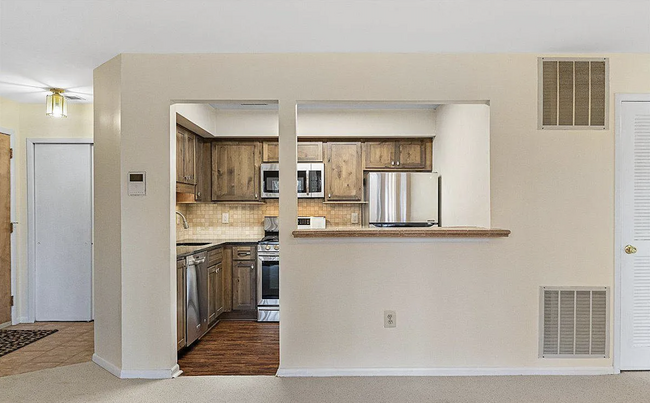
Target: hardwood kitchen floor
point(234, 348)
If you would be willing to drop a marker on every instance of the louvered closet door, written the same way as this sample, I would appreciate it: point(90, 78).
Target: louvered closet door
point(635, 232)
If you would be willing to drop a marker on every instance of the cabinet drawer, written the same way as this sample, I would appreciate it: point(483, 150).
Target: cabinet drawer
point(215, 256)
point(243, 252)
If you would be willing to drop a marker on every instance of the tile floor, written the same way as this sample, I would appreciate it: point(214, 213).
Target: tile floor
point(72, 344)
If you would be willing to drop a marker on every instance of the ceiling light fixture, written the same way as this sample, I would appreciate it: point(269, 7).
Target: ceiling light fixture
point(56, 105)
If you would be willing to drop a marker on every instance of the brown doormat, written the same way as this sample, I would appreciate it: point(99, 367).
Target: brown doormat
point(12, 340)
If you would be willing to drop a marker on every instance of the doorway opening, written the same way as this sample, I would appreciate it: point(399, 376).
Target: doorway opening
point(227, 244)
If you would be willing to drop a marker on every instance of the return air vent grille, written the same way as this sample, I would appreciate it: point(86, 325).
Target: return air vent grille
point(573, 93)
point(575, 322)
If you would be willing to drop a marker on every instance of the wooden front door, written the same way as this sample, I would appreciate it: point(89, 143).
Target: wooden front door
point(5, 229)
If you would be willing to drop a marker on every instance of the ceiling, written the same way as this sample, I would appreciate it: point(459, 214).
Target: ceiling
point(54, 43)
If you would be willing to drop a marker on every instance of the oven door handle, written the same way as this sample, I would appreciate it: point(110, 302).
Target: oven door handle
point(265, 258)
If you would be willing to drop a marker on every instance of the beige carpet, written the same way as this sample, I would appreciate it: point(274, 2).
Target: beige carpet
point(89, 383)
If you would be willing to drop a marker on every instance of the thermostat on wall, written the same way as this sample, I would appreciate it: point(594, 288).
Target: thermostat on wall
point(137, 183)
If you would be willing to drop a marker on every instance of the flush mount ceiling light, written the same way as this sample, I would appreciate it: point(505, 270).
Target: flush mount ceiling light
point(56, 105)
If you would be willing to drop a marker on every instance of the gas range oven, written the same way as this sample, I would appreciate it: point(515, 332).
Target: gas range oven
point(268, 273)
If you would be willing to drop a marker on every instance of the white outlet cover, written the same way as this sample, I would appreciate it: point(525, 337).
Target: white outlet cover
point(354, 218)
point(225, 218)
point(390, 319)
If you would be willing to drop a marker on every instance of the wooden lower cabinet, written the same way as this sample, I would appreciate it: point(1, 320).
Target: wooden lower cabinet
point(243, 285)
point(180, 304)
point(215, 292)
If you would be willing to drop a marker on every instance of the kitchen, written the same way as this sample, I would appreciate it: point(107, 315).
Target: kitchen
point(349, 155)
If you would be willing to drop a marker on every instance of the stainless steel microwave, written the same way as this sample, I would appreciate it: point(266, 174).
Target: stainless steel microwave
point(310, 180)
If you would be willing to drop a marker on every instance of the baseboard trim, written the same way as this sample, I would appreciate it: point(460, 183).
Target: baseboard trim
point(332, 372)
point(106, 365)
point(173, 372)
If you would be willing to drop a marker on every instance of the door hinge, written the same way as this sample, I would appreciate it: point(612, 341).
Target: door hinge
point(11, 228)
point(12, 300)
point(11, 153)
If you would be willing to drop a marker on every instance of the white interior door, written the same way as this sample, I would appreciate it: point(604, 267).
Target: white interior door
point(63, 186)
point(635, 235)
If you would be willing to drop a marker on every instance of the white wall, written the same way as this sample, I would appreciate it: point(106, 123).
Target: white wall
point(29, 121)
point(462, 159)
point(320, 123)
point(460, 304)
point(200, 118)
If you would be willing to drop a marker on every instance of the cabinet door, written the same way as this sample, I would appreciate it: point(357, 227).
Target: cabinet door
point(379, 154)
point(190, 158)
point(243, 285)
point(270, 151)
point(212, 293)
point(235, 171)
point(344, 175)
point(310, 151)
point(203, 189)
point(218, 291)
point(180, 305)
point(180, 153)
point(411, 154)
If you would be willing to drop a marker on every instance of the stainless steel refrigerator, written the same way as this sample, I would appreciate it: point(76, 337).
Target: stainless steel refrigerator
point(402, 199)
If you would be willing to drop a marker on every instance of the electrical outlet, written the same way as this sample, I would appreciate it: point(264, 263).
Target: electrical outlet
point(225, 218)
point(354, 218)
point(390, 319)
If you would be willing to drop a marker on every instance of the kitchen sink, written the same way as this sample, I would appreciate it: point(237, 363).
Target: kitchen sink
point(192, 243)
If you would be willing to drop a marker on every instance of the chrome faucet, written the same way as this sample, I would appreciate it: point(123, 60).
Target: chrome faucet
point(185, 224)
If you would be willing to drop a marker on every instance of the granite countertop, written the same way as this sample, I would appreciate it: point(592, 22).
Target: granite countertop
point(402, 232)
point(183, 251)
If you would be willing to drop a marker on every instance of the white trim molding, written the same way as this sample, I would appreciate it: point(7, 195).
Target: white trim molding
point(332, 372)
point(173, 372)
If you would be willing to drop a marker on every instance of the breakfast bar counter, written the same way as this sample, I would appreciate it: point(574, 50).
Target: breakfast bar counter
point(402, 232)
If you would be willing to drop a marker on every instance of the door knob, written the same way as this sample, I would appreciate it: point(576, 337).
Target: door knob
point(629, 249)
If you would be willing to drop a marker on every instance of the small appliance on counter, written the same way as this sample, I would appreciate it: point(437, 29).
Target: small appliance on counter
point(268, 273)
point(311, 222)
point(402, 199)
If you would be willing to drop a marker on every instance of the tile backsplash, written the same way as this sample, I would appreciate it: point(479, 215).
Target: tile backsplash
point(246, 220)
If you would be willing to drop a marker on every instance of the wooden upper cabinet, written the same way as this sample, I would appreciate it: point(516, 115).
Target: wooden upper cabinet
point(270, 151)
point(203, 172)
point(310, 151)
point(190, 158)
point(343, 172)
point(180, 154)
point(235, 171)
point(407, 155)
point(412, 154)
point(379, 154)
point(185, 156)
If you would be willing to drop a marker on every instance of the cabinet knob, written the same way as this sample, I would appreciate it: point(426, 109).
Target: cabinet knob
point(392, 162)
point(329, 195)
point(397, 163)
point(252, 267)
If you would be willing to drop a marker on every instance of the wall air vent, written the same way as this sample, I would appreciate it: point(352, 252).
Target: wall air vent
point(574, 322)
point(573, 93)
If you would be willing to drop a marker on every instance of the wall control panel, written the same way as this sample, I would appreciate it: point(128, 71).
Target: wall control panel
point(137, 183)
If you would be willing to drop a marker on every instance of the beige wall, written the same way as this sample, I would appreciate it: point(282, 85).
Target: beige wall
point(459, 304)
point(30, 122)
point(462, 159)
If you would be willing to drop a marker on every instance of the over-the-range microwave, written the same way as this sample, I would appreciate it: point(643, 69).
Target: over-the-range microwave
point(309, 180)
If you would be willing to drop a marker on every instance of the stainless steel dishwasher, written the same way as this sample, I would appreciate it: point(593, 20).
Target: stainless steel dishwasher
point(196, 297)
